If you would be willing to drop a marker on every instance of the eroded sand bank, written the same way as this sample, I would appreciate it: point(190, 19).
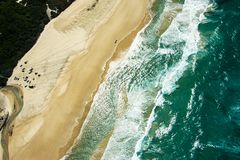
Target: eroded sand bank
point(63, 70)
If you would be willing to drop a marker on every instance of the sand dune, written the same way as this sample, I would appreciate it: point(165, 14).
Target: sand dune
point(63, 70)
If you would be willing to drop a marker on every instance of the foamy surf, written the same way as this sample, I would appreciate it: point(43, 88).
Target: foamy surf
point(189, 35)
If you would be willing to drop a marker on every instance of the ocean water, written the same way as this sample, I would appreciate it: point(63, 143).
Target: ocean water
point(176, 94)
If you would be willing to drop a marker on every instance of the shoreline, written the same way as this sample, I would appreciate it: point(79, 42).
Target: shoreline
point(123, 45)
point(65, 123)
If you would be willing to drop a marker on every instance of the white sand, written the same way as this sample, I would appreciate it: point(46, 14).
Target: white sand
point(71, 56)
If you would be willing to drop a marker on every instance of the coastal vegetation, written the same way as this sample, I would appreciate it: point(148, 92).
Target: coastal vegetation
point(21, 24)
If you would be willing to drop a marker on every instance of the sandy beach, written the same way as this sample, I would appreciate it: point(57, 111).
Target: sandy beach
point(63, 71)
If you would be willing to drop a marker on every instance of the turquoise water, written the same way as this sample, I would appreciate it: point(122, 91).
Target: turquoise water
point(175, 95)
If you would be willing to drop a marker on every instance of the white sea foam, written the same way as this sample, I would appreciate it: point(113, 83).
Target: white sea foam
point(128, 128)
point(130, 107)
point(190, 103)
point(196, 145)
point(110, 104)
point(184, 28)
point(133, 49)
point(163, 130)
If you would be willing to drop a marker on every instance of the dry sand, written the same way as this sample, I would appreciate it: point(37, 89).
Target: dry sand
point(72, 55)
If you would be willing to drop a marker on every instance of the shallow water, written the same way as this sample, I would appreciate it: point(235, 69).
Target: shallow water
point(175, 94)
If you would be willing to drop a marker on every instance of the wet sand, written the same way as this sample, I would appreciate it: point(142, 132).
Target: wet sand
point(50, 132)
